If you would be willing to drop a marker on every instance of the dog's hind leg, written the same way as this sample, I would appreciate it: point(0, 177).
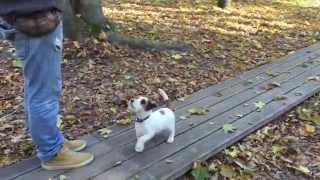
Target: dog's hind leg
point(171, 135)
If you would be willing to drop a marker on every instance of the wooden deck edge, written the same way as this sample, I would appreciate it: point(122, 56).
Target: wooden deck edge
point(238, 135)
point(236, 138)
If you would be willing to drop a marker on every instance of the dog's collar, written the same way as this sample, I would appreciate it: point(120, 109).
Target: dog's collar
point(142, 120)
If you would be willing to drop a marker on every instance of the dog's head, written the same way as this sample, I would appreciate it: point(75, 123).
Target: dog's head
point(140, 104)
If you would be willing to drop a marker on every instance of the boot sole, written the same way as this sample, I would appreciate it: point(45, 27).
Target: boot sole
point(84, 163)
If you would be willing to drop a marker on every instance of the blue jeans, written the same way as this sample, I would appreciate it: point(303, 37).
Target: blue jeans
point(42, 88)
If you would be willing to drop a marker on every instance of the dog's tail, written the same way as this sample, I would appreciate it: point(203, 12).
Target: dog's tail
point(165, 98)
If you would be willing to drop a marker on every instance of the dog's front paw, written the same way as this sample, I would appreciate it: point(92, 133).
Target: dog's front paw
point(139, 147)
point(170, 140)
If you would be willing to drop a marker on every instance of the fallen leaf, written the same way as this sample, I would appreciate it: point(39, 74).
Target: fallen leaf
point(310, 128)
point(85, 113)
point(102, 36)
point(59, 121)
point(247, 168)
point(199, 171)
point(314, 78)
point(123, 121)
point(70, 117)
point(218, 94)
point(280, 97)
point(113, 109)
point(270, 73)
point(239, 115)
point(176, 56)
point(227, 171)
point(18, 138)
point(17, 63)
point(62, 177)
point(104, 132)
point(76, 44)
point(259, 105)
point(232, 151)
point(118, 163)
point(198, 111)
point(307, 114)
point(228, 128)
point(182, 117)
point(276, 148)
point(213, 167)
point(270, 86)
point(169, 161)
point(301, 168)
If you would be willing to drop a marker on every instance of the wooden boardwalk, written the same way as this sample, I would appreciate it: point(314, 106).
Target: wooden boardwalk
point(197, 137)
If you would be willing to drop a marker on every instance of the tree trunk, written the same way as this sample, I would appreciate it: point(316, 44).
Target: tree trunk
point(83, 18)
point(71, 23)
point(224, 3)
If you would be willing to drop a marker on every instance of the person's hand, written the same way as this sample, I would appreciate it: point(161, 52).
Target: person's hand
point(6, 31)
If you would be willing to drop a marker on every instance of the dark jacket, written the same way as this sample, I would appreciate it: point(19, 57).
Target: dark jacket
point(21, 7)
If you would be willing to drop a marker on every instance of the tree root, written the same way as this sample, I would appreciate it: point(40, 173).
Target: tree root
point(135, 43)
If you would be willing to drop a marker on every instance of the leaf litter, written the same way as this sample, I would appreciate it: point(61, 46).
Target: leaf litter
point(288, 146)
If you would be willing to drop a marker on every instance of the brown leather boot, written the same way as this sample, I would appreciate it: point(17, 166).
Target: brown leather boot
point(67, 159)
point(75, 145)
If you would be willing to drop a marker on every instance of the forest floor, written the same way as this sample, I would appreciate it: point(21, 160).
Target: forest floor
point(100, 77)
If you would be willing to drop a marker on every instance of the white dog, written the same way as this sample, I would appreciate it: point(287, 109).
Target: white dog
point(149, 123)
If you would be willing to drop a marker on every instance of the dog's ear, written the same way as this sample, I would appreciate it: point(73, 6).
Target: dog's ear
point(143, 102)
point(149, 106)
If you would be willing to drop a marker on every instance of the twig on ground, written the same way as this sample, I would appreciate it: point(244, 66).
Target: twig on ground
point(16, 108)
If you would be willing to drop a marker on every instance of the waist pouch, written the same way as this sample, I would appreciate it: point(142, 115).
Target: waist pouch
point(37, 24)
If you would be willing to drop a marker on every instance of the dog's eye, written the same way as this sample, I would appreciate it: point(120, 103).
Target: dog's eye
point(143, 101)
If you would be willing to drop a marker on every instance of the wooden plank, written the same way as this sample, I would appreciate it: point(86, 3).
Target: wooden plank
point(25, 166)
point(101, 164)
point(116, 131)
point(127, 151)
point(214, 143)
point(191, 136)
point(311, 51)
point(33, 164)
point(129, 136)
point(299, 57)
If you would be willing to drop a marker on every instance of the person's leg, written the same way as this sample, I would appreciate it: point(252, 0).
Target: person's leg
point(42, 74)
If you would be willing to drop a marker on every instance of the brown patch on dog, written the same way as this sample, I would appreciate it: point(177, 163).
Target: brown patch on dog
point(150, 106)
